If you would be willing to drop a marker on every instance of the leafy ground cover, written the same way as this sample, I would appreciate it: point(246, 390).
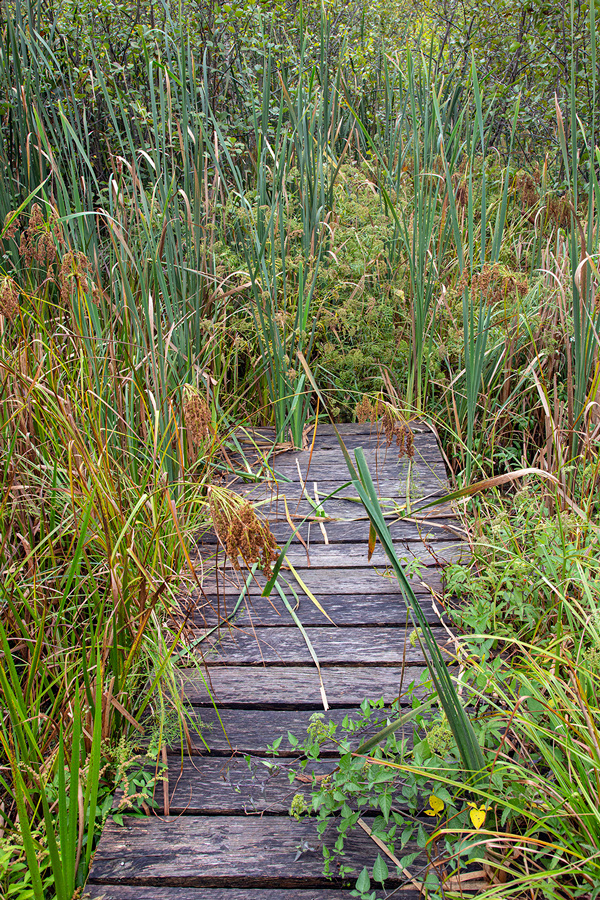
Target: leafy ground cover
point(194, 200)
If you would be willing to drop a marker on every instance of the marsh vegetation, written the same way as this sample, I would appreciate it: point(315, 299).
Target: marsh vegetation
point(194, 194)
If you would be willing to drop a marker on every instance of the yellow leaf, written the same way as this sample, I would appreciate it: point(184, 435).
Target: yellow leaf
point(436, 804)
point(477, 814)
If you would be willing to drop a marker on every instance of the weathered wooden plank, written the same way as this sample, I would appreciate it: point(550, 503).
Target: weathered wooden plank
point(202, 785)
point(324, 582)
point(428, 476)
point(415, 529)
point(344, 511)
point(159, 892)
point(283, 646)
point(326, 430)
point(298, 687)
point(379, 458)
point(416, 425)
point(381, 462)
point(371, 444)
point(343, 610)
point(337, 500)
point(339, 488)
point(252, 731)
point(224, 851)
point(263, 439)
point(335, 556)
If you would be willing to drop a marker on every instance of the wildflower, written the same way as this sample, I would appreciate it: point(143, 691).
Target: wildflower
point(477, 814)
point(439, 738)
point(318, 730)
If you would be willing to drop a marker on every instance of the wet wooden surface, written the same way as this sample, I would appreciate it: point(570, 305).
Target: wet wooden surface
point(226, 834)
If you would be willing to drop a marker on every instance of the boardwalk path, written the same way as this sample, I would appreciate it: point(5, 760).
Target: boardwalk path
point(227, 835)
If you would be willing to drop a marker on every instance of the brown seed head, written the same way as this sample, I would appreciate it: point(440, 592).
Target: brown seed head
point(197, 417)
point(240, 531)
point(74, 268)
point(10, 227)
point(9, 297)
point(364, 411)
point(41, 238)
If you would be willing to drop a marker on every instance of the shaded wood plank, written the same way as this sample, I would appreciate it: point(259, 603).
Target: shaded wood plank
point(343, 610)
point(159, 892)
point(225, 851)
point(326, 429)
point(298, 687)
point(333, 646)
point(251, 731)
point(416, 425)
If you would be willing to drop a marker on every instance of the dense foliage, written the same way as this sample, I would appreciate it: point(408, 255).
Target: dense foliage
point(192, 195)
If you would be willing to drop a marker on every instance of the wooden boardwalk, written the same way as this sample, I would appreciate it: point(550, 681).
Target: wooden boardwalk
point(226, 834)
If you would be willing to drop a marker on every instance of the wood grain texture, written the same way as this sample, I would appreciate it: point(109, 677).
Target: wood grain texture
point(349, 609)
point(328, 488)
point(284, 646)
point(159, 892)
point(201, 786)
point(217, 786)
point(251, 731)
point(296, 687)
point(416, 530)
point(336, 556)
point(324, 582)
point(224, 851)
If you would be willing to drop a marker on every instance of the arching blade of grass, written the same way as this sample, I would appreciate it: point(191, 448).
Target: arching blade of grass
point(458, 720)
